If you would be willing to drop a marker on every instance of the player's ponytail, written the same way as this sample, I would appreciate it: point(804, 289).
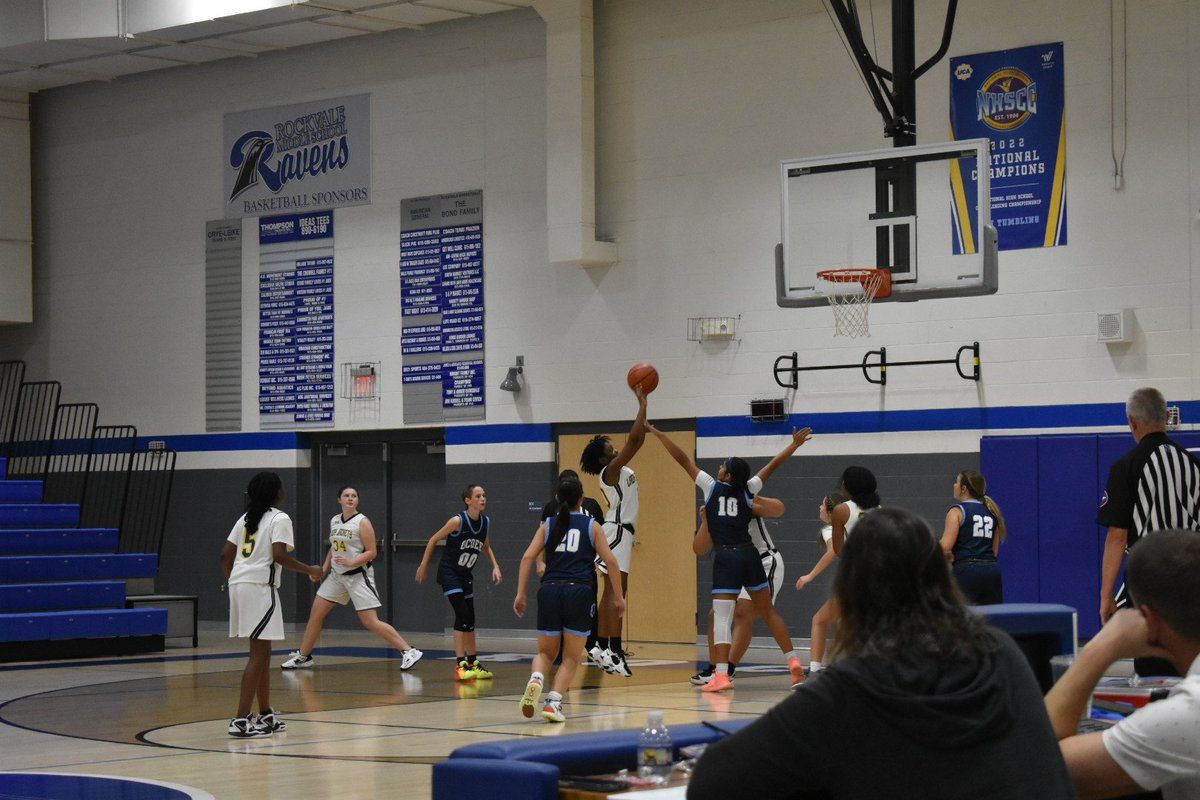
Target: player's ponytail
point(976, 486)
point(261, 493)
point(568, 494)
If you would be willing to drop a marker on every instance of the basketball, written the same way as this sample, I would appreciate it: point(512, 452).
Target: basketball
point(645, 374)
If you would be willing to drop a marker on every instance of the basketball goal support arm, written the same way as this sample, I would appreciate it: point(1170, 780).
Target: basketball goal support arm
point(794, 369)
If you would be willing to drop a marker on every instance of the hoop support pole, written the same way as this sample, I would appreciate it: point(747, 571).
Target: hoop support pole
point(794, 369)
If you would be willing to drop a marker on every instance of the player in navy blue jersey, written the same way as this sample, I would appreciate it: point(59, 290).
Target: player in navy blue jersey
point(728, 507)
point(972, 536)
point(572, 541)
point(466, 536)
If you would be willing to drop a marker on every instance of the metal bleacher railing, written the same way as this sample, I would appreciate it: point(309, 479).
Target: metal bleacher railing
point(99, 467)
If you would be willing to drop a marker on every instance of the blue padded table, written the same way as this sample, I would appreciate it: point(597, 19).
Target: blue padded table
point(528, 768)
point(1041, 630)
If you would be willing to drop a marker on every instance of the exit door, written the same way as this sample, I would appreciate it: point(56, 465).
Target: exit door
point(401, 485)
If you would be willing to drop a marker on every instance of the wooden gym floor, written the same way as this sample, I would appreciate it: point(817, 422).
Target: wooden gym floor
point(357, 725)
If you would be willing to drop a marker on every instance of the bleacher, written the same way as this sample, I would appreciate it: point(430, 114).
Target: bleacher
point(82, 513)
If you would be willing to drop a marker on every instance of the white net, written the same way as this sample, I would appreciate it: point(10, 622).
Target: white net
point(850, 292)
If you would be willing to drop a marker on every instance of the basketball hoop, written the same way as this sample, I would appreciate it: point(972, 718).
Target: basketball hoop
point(850, 292)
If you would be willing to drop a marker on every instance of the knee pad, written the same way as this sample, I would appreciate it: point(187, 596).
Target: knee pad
point(464, 612)
point(723, 621)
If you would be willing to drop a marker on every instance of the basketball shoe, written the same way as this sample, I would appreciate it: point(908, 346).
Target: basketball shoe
point(270, 720)
point(719, 683)
point(533, 690)
point(247, 728)
point(409, 658)
point(797, 670)
point(463, 671)
point(298, 661)
point(552, 710)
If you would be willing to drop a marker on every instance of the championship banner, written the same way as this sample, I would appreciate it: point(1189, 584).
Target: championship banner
point(1015, 98)
point(298, 158)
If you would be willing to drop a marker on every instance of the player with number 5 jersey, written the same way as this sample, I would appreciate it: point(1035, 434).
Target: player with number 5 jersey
point(972, 536)
point(466, 537)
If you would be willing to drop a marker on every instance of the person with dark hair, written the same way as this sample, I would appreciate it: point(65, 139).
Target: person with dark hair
point(466, 536)
point(620, 487)
point(254, 551)
point(593, 510)
point(728, 508)
point(744, 612)
point(566, 602)
point(858, 488)
point(1158, 745)
point(923, 701)
point(971, 540)
point(349, 576)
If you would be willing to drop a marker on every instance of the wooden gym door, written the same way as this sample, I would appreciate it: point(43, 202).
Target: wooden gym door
point(662, 574)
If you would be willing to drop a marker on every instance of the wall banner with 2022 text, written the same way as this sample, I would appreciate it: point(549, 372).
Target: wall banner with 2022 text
point(1015, 98)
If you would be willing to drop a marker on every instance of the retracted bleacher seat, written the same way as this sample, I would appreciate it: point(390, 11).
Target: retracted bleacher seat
point(62, 588)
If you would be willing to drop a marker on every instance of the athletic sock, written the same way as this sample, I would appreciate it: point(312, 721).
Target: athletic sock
point(614, 644)
point(602, 641)
point(554, 696)
point(722, 669)
point(472, 658)
point(789, 655)
point(732, 668)
point(815, 666)
point(537, 676)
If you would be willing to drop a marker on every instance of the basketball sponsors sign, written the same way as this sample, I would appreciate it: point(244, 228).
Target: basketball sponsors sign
point(442, 307)
point(1015, 99)
point(298, 158)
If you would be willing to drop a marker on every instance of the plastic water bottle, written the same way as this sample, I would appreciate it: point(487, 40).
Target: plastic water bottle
point(655, 750)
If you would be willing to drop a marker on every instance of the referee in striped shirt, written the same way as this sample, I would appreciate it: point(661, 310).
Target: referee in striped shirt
point(1155, 486)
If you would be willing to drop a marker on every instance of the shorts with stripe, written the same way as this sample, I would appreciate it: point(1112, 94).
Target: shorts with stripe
point(772, 561)
point(620, 541)
point(565, 607)
point(255, 612)
point(735, 567)
point(451, 581)
point(357, 585)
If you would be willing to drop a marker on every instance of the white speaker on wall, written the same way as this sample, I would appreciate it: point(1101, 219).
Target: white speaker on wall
point(1114, 326)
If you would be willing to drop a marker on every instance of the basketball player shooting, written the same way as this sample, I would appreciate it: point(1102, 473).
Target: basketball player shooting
point(621, 491)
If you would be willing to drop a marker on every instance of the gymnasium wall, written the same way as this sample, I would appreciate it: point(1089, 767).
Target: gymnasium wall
point(695, 105)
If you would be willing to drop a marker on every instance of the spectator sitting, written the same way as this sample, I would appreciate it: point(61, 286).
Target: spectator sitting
point(923, 699)
point(1158, 746)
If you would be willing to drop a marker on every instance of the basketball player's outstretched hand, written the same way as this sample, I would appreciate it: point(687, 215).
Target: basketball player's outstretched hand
point(801, 435)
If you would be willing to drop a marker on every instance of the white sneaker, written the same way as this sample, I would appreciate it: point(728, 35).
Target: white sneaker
point(619, 666)
point(247, 728)
point(596, 656)
point(270, 720)
point(298, 661)
point(411, 656)
point(606, 660)
point(552, 711)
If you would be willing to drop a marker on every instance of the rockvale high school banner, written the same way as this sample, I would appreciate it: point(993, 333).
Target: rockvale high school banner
point(1015, 98)
point(298, 158)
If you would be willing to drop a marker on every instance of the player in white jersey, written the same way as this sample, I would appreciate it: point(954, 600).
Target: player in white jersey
point(254, 551)
point(349, 577)
point(858, 487)
point(620, 487)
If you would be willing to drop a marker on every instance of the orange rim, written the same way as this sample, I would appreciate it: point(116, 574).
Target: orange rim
point(861, 276)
